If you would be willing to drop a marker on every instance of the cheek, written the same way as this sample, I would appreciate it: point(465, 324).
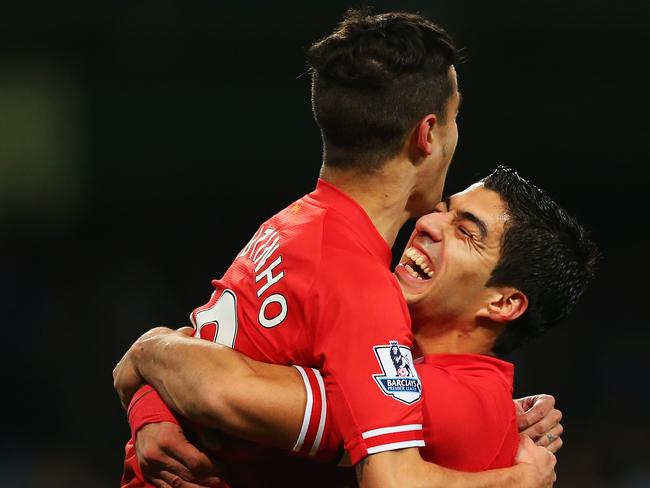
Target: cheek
point(464, 276)
point(453, 138)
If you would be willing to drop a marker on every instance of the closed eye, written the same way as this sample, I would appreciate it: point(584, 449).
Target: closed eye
point(465, 232)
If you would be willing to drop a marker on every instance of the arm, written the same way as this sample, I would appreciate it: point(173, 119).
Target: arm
point(216, 387)
point(240, 396)
point(158, 452)
point(405, 467)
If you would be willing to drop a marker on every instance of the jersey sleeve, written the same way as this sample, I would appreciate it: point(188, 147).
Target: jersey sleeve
point(318, 439)
point(371, 383)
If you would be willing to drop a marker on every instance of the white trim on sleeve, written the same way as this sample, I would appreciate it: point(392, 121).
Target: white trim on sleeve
point(323, 413)
point(395, 445)
point(307, 417)
point(391, 430)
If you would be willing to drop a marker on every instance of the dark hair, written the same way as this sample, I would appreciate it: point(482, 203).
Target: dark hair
point(545, 253)
point(373, 78)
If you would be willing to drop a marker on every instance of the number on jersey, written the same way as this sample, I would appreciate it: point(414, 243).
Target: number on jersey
point(219, 322)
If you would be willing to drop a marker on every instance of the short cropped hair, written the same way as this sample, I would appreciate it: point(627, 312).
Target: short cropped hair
point(373, 79)
point(545, 253)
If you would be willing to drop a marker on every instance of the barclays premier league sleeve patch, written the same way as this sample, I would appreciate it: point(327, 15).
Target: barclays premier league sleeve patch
point(399, 378)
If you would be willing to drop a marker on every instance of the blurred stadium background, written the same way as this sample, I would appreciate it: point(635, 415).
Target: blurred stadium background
point(141, 143)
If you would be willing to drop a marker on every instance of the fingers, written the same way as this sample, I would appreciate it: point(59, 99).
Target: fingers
point(171, 473)
point(540, 461)
point(175, 481)
point(171, 466)
point(556, 445)
point(525, 443)
point(163, 448)
point(191, 459)
point(551, 440)
point(158, 483)
point(551, 435)
point(545, 425)
point(168, 460)
point(533, 409)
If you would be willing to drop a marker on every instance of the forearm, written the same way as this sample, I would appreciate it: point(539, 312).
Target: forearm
point(431, 475)
point(181, 370)
point(406, 468)
point(217, 387)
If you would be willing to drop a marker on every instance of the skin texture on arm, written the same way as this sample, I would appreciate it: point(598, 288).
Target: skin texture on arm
point(405, 467)
point(241, 396)
point(217, 387)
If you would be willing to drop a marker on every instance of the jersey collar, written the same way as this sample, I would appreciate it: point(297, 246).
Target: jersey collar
point(334, 198)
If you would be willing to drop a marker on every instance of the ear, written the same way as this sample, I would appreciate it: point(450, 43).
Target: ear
point(505, 305)
point(424, 134)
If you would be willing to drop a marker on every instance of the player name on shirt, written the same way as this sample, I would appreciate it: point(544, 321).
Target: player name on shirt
point(259, 249)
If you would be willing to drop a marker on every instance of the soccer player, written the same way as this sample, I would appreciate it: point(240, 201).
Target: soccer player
point(527, 265)
point(491, 268)
point(313, 286)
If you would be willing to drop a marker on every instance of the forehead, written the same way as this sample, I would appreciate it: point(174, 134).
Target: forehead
point(485, 204)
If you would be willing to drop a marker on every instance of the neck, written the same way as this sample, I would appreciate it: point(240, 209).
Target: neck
point(383, 195)
point(453, 340)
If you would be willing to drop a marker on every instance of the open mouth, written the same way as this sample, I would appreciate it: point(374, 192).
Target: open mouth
point(416, 264)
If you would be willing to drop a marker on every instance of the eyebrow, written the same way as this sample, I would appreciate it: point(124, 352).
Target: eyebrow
point(482, 228)
point(465, 215)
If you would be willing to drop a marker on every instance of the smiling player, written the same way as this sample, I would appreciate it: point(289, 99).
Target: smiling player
point(481, 245)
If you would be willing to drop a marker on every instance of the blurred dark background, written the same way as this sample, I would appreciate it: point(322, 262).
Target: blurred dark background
point(142, 144)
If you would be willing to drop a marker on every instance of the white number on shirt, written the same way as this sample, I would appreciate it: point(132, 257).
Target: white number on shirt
point(219, 322)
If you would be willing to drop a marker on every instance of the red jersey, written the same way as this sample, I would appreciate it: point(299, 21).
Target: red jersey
point(314, 287)
point(469, 415)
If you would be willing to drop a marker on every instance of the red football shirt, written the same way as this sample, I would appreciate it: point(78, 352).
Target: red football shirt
point(469, 415)
point(314, 287)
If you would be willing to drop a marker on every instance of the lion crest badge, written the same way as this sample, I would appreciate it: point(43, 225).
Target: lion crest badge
point(398, 378)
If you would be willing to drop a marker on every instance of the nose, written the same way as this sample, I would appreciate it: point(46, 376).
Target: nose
point(434, 224)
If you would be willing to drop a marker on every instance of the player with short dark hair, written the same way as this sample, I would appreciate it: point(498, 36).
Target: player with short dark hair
point(555, 279)
point(373, 79)
point(313, 286)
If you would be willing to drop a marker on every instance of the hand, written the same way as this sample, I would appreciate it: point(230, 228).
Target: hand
point(538, 464)
point(126, 379)
point(167, 459)
point(538, 418)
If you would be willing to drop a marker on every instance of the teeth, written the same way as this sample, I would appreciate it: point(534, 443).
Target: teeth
point(411, 271)
point(418, 259)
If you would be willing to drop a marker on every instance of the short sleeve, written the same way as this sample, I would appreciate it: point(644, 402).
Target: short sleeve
point(318, 439)
point(365, 341)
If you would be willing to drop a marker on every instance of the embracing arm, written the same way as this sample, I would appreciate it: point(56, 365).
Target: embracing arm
point(217, 387)
point(405, 467)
